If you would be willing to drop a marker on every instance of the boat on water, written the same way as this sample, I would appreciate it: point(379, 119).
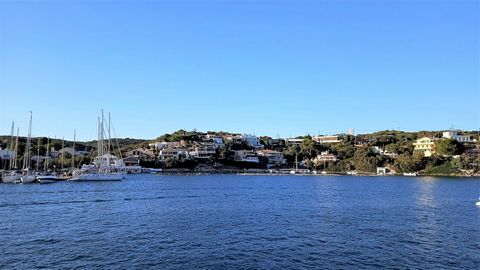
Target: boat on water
point(478, 203)
point(102, 170)
point(410, 174)
point(27, 177)
point(96, 176)
point(12, 177)
point(47, 178)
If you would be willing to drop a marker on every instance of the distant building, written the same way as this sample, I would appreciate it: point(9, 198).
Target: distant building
point(293, 141)
point(274, 157)
point(233, 138)
point(425, 145)
point(203, 151)
point(163, 145)
point(323, 158)
point(173, 153)
point(252, 141)
point(142, 154)
point(453, 134)
point(6, 154)
point(326, 139)
point(216, 140)
point(383, 152)
point(246, 156)
point(70, 151)
point(131, 161)
point(383, 171)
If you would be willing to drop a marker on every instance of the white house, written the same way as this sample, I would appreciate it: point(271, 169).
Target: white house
point(164, 145)
point(326, 139)
point(203, 151)
point(246, 156)
point(293, 141)
point(174, 153)
point(453, 134)
point(252, 141)
point(274, 157)
point(323, 158)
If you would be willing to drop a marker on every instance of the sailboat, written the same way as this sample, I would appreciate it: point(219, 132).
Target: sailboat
point(12, 176)
point(47, 177)
point(103, 170)
point(28, 177)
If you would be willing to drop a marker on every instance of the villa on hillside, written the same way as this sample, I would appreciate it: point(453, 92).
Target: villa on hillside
point(246, 156)
point(326, 139)
point(323, 158)
point(425, 145)
point(203, 151)
point(173, 153)
point(252, 141)
point(274, 157)
point(293, 141)
point(142, 154)
point(453, 134)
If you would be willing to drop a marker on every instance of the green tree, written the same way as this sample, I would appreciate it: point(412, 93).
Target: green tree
point(447, 147)
point(365, 160)
point(406, 163)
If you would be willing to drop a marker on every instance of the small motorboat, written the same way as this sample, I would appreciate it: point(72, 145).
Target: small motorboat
point(478, 203)
point(47, 179)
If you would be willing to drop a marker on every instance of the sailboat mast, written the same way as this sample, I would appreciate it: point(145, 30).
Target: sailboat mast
point(11, 146)
point(63, 151)
point(47, 154)
point(16, 150)
point(38, 153)
point(26, 161)
point(73, 150)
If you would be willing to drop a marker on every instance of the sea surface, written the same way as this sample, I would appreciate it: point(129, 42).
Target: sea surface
point(242, 222)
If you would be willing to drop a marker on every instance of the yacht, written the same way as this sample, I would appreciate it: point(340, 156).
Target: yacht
point(11, 177)
point(47, 179)
point(102, 170)
point(410, 174)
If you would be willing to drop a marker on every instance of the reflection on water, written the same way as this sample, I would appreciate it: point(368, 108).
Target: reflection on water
point(425, 196)
point(242, 222)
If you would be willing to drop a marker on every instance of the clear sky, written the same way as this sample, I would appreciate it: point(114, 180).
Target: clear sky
point(262, 67)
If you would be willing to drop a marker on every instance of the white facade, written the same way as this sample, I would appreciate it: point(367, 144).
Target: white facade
point(453, 134)
point(324, 157)
point(174, 153)
point(7, 154)
point(293, 141)
point(252, 141)
point(164, 145)
point(203, 151)
point(326, 139)
point(246, 156)
point(274, 157)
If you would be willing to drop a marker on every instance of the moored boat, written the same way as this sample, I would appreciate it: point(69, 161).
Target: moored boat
point(11, 178)
point(410, 174)
point(47, 179)
point(93, 176)
point(28, 179)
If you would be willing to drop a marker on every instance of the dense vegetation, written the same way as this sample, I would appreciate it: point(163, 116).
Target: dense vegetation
point(363, 153)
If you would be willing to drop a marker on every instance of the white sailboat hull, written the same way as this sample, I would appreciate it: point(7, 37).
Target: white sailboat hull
point(98, 177)
point(11, 179)
point(27, 179)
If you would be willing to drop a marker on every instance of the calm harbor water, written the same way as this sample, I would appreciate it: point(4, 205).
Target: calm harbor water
point(242, 222)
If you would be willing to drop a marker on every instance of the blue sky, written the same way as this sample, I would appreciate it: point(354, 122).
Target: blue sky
point(263, 67)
